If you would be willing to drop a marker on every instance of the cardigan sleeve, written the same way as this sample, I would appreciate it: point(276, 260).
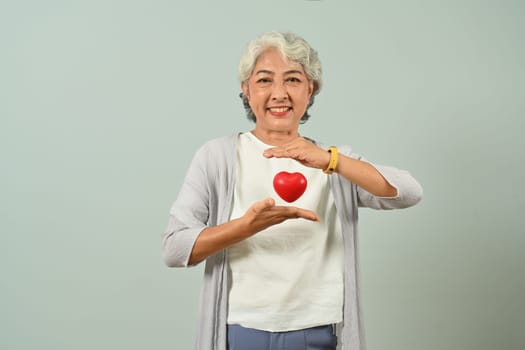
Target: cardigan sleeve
point(189, 214)
point(409, 191)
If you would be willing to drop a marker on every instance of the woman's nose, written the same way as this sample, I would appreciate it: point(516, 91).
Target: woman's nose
point(279, 91)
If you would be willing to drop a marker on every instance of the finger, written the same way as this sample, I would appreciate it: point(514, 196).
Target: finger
point(273, 152)
point(308, 215)
point(280, 152)
point(296, 213)
point(257, 207)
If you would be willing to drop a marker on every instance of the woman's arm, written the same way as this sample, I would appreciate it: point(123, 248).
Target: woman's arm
point(365, 175)
point(259, 216)
point(378, 187)
point(361, 173)
point(193, 233)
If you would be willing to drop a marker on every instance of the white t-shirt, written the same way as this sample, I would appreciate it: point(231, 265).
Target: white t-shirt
point(289, 276)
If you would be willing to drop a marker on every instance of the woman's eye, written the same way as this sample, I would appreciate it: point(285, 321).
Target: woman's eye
point(294, 80)
point(264, 80)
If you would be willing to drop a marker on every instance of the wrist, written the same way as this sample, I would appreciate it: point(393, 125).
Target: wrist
point(334, 159)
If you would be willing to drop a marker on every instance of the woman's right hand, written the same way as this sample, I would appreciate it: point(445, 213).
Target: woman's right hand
point(265, 213)
point(258, 217)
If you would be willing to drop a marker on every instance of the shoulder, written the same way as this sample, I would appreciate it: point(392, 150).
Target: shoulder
point(220, 143)
point(217, 151)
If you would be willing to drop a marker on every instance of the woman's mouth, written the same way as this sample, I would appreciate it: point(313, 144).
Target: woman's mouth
point(279, 111)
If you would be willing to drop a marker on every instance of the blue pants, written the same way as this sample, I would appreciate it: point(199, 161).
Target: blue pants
point(316, 338)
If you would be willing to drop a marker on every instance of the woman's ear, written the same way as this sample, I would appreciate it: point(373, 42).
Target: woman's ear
point(245, 90)
point(311, 88)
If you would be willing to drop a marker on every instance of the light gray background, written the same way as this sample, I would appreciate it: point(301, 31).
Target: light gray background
point(103, 103)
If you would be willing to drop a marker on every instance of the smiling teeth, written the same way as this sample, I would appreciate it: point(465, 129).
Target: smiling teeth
point(280, 109)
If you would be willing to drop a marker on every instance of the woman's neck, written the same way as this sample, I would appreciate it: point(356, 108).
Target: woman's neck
point(275, 138)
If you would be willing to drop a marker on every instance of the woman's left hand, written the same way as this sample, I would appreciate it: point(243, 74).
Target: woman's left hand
point(303, 151)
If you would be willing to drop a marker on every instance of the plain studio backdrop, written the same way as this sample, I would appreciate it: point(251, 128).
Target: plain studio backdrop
point(103, 103)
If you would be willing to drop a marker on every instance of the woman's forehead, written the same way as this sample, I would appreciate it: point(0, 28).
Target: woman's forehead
point(272, 60)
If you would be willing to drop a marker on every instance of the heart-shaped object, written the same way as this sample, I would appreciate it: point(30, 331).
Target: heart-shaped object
point(289, 186)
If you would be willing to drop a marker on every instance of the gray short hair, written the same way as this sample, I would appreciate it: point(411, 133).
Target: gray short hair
point(289, 45)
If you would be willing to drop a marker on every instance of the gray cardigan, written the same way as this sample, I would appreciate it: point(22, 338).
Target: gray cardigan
point(205, 199)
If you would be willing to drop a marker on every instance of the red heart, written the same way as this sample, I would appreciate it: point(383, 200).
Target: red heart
point(289, 186)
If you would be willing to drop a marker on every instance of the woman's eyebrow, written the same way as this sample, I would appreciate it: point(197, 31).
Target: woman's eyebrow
point(264, 71)
point(293, 71)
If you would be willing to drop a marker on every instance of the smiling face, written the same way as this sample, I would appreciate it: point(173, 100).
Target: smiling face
point(278, 92)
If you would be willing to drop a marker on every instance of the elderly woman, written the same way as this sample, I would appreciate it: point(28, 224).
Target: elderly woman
point(281, 272)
